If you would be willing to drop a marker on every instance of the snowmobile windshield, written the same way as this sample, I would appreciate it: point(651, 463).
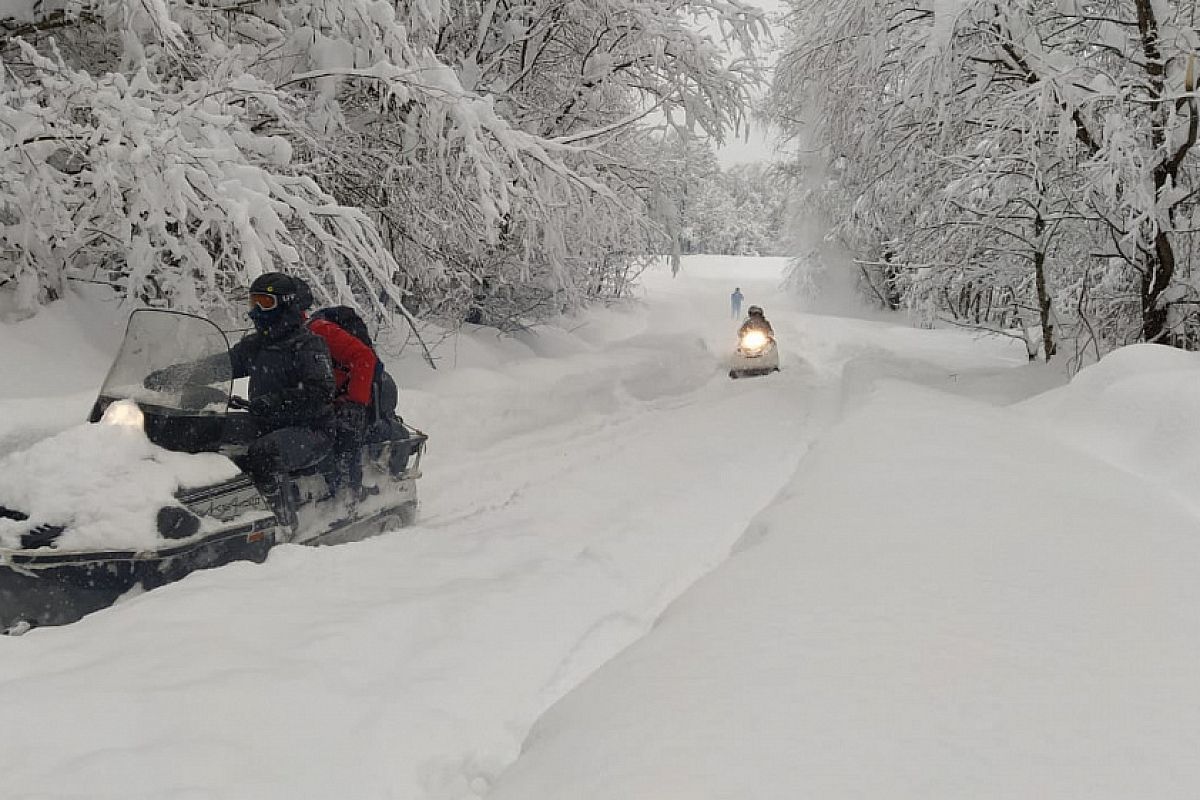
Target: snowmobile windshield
point(172, 362)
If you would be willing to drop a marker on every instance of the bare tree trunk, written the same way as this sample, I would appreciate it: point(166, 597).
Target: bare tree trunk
point(1160, 266)
point(1159, 261)
point(1049, 345)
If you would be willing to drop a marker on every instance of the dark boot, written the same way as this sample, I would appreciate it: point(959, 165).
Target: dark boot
point(279, 496)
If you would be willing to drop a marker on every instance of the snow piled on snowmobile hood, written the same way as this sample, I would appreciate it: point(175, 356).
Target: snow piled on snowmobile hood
point(104, 483)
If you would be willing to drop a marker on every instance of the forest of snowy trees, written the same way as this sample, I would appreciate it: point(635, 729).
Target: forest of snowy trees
point(740, 211)
point(440, 157)
point(733, 210)
point(1024, 166)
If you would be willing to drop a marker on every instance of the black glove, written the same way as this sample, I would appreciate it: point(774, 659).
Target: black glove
point(351, 418)
point(265, 405)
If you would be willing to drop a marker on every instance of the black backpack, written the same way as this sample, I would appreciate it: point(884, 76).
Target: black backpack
point(348, 320)
point(384, 394)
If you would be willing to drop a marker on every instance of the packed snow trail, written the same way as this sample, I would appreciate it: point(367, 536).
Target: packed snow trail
point(577, 481)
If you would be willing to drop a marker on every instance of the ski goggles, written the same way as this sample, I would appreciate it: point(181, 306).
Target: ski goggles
point(263, 301)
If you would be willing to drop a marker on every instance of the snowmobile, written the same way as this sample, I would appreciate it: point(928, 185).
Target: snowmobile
point(756, 354)
point(210, 525)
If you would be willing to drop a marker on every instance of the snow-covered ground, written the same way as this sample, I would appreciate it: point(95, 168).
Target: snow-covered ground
point(882, 572)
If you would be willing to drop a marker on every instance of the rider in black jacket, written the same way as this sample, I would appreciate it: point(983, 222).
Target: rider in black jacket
point(756, 321)
point(291, 378)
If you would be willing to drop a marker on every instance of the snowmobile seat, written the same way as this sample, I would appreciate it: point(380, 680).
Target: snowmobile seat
point(326, 463)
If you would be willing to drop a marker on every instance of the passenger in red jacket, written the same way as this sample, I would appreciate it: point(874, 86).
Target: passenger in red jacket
point(353, 363)
point(354, 374)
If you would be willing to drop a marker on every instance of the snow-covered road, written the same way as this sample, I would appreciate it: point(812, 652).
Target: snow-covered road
point(579, 480)
point(568, 498)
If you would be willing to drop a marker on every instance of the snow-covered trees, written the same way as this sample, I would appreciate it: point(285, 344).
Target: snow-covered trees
point(429, 155)
point(97, 186)
point(737, 211)
point(734, 211)
point(1008, 163)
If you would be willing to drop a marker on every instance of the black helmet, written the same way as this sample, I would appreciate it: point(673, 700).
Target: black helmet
point(755, 311)
point(278, 290)
point(304, 295)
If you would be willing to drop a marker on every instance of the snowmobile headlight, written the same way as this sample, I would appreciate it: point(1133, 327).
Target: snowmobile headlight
point(754, 340)
point(124, 413)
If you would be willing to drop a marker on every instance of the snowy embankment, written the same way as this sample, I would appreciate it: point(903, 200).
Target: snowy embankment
point(53, 365)
point(1138, 410)
point(948, 600)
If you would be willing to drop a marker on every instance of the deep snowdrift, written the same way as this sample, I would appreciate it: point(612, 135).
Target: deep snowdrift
point(1138, 410)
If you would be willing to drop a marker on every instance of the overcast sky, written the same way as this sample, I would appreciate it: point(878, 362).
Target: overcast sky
point(760, 145)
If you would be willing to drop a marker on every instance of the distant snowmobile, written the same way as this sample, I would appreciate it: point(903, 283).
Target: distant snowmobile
point(44, 584)
point(756, 354)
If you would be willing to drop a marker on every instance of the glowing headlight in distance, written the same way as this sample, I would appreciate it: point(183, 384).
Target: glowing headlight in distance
point(752, 340)
point(124, 413)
